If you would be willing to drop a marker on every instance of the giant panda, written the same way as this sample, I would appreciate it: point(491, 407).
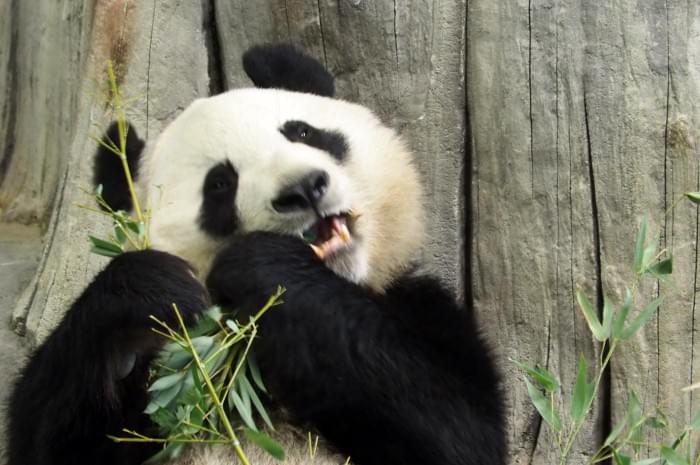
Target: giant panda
point(367, 351)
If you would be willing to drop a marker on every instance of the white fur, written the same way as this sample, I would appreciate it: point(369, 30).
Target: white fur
point(377, 180)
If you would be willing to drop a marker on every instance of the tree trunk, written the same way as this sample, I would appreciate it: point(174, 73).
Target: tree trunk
point(544, 131)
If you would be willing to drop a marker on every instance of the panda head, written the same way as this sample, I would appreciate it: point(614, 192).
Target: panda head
point(283, 157)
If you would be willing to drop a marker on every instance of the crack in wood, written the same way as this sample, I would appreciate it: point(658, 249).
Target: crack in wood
point(396, 38)
point(148, 69)
point(529, 83)
point(11, 93)
point(323, 38)
point(606, 383)
point(212, 43)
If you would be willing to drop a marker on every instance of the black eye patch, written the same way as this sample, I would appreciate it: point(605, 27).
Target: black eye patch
point(329, 141)
point(217, 215)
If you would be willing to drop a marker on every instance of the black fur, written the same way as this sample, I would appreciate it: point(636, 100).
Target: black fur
point(388, 379)
point(332, 142)
point(75, 389)
point(282, 66)
point(108, 169)
point(218, 213)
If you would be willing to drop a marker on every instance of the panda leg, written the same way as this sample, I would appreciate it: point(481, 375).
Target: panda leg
point(88, 379)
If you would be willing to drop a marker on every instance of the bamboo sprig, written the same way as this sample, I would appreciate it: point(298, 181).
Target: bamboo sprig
point(223, 415)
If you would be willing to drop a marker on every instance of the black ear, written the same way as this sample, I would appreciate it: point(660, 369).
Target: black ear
point(109, 171)
point(282, 66)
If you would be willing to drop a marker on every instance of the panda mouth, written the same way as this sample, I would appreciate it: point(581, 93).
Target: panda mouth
point(330, 234)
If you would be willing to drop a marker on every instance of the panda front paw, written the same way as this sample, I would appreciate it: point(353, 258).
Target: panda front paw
point(136, 285)
point(251, 268)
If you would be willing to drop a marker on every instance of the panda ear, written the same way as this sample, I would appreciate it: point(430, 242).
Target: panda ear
point(282, 66)
point(108, 170)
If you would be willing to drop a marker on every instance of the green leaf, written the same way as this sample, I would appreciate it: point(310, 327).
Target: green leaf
point(663, 267)
point(649, 254)
point(245, 384)
point(621, 459)
point(619, 323)
point(202, 345)
point(167, 454)
point(608, 314)
point(634, 415)
point(615, 432)
point(695, 422)
point(164, 397)
point(673, 457)
point(177, 360)
point(132, 225)
point(120, 235)
point(693, 197)
point(639, 247)
point(583, 393)
point(656, 423)
point(543, 377)
point(255, 372)
point(646, 461)
point(106, 248)
point(544, 406)
point(166, 382)
point(243, 411)
point(641, 319)
point(265, 442)
point(233, 326)
point(99, 188)
point(166, 419)
point(590, 315)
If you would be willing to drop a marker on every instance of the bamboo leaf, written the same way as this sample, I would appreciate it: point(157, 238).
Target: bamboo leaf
point(166, 382)
point(590, 315)
point(649, 254)
point(641, 319)
point(167, 454)
point(120, 235)
point(695, 422)
point(621, 459)
point(583, 393)
point(693, 197)
point(663, 267)
point(245, 384)
point(639, 247)
point(266, 443)
point(106, 248)
point(673, 457)
point(615, 432)
point(544, 406)
point(543, 377)
point(608, 314)
point(646, 461)
point(619, 323)
point(255, 372)
point(634, 414)
point(245, 413)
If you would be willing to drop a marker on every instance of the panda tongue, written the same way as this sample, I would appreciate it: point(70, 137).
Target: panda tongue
point(330, 227)
point(331, 232)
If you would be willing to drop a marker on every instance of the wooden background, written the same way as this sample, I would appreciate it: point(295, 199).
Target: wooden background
point(544, 130)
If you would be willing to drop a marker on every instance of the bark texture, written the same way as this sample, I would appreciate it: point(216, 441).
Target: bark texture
point(544, 130)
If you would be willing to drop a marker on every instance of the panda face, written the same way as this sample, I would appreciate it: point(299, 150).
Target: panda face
point(286, 162)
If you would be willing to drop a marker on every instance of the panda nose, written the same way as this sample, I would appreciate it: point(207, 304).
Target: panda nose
point(303, 194)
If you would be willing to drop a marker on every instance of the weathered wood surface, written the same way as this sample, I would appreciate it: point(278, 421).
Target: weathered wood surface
point(583, 117)
point(576, 118)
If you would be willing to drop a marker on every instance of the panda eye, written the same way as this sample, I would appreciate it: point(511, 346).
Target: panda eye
point(220, 180)
point(220, 186)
